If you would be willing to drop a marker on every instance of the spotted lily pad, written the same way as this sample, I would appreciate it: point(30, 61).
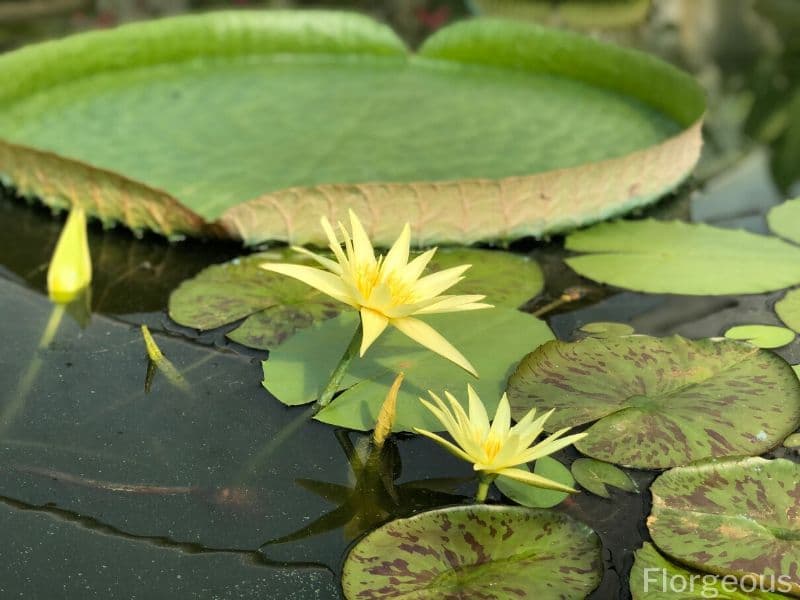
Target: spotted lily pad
point(594, 475)
point(683, 258)
point(220, 132)
point(661, 402)
point(784, 220)
point(763, 336)
point(532, 496)
point(274, 306)
point(737, 517)
point(654, 577)
point(493, 341)
point(490, 552)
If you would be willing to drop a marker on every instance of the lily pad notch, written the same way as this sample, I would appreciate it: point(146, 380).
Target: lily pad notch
point(471, 200)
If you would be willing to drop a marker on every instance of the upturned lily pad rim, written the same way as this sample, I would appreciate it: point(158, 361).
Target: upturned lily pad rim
point(60, 181)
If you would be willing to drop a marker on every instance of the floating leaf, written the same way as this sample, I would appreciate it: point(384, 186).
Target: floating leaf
point(275, 306)
point(682, 258)
point(737, 517)
point(784, 219)
point(595, 475)
point(661, 402)
point(763, 336)
point(171, 137)
point(653, 577)
point(297, 370)
point(605, 329)
point(492, 552)
point(793, 441)
point(788, 309)
point(536, 497)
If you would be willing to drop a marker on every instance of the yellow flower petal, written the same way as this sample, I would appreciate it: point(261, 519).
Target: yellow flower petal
point(502, 419)
point(550, 445)
point(363, 252)
point(435, 283)
point(477, 412)
point(70, 270)
point(331, 265)
point(445, 304)
point(414, 269)
point(452, 448)
point(397, 257)
point(373, 324)
point(536, 480)
point(334, 244)
point(427, 336)
point(325, 282)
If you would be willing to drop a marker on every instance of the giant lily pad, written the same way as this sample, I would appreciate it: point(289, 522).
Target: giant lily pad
point(276, 306)
point(493, 341)
point(661, 402)
point(681, 258)
point(252, 124)
point(739, 517)
point(653, 577)
point(490, 552)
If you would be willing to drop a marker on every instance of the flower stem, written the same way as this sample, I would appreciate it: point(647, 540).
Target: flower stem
point(338, 373)
point(483, 487)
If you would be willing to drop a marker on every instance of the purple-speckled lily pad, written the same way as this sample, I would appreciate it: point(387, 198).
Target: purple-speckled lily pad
point(737, 517)
point(661, 402)
point(487, 552)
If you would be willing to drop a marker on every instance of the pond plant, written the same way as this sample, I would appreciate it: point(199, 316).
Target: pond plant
point(385, 290)
point(376, 342)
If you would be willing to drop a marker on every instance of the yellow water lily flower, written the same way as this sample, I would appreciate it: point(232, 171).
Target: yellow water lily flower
point(70, 270)
point(497, 448)
point(386, 290)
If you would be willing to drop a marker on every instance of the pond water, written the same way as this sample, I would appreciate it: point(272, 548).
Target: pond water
point(116, 483)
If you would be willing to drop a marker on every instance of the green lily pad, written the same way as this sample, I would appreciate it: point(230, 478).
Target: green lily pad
point(532, 496)
point(763, 336)
point(653, 577)
point(252, 124)
point(595, 475)
point(275, 307)
point(682, 258)
point(784, 219)
point(492, 552)
point(738, 517)
point(604, 329)
point(493, 341)
point(661, 402)
point(788, 309)
point(793, 441)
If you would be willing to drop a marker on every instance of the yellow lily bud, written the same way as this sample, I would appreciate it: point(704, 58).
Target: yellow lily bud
point(70, 270)
point(385, 422)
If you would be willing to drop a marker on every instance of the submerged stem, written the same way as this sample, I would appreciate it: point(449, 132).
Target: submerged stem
point(484, 482)
point(338, 373)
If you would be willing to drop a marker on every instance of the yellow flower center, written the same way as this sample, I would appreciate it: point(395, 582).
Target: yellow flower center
point(491, 446)
point(367, 277)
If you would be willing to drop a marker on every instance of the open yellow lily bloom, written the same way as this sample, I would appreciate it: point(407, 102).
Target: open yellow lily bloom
point(497, 448)
point(386, 290)
point(70, 270)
